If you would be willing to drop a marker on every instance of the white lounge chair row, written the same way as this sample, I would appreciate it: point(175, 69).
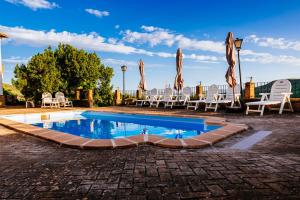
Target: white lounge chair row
point(279, 95)
point(168, 99)
point(58, 101)
point(214, 99)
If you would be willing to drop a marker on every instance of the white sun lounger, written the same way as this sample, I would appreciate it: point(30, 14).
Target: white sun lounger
point(141, 102)
point(280, 95)
point(212, 95)
point(150, 97)
point(228, 98)
point(182, 99)
point(63, 101)
point(167, 96)
point(48, 101)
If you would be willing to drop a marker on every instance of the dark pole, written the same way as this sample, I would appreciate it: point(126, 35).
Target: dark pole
point(123, 98)
point(241, 87)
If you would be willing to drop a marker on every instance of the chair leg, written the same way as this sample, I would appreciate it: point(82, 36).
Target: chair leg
point(281, 108)
point(262, 110)
point(247, 110)
point(291, 107)
point(216, 107)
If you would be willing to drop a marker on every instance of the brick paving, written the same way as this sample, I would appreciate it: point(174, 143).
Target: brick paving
point(31, 168)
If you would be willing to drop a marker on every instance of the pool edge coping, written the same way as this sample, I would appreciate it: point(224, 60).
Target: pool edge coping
point(73, 141)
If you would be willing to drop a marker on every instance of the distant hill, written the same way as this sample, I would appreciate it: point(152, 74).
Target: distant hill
point(266, 88)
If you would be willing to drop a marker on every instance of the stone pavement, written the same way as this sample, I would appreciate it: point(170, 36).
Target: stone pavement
point(31, 168)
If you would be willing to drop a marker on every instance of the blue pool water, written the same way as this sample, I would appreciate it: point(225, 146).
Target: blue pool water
point(102, 125)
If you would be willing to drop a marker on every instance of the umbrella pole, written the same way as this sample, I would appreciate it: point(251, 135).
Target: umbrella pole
point(233, 95)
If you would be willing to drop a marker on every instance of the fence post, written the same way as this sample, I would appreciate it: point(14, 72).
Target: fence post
point(199, 90)
point(139, 94)
point(90, 98)
point(249, 90)
point(77, 94)
point(117, 97)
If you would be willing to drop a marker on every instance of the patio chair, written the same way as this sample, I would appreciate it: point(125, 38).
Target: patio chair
point(181, 99)
point(141, 102)
point(48, 101)
point(63, 101)
point(279, 95)
point(167, 96)
point(212, 95)
point(228, 98)
point(153, 96)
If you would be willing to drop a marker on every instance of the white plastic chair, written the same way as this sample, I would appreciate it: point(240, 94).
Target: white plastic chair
point(63, 101)
point(228, 98)
point(48, 101)
point(279, 95)
point(211, 96)
point(141, 102)
point(153, 96)
point(167, 96)
point(182, 99)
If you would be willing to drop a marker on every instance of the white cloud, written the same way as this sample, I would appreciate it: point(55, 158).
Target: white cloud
point(153, 38)
point(130, 64)
point(112, 40)
point(152, 28)
point(97, 13)
point(117, 26)
point(91, 41)
point(95, 42)
point(35, 4)
point(159, 36)
point(276, 43)
point(15, 60)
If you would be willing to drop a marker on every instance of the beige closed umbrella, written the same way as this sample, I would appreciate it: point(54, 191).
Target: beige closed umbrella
point(230, 57)
point(178, 84)
point(142, 84)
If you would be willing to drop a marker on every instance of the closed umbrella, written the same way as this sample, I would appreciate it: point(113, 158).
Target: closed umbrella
point(142, 84)
point(230, 57)
point(178, 84)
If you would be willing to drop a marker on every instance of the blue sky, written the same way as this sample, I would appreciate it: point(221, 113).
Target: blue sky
point(122, 32)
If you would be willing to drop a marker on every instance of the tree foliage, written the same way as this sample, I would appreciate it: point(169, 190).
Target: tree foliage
point(64, 69)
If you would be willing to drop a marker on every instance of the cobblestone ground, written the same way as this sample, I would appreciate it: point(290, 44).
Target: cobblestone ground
point(32, 168)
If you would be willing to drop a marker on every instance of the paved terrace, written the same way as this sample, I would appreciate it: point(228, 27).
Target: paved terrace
point(33, 168)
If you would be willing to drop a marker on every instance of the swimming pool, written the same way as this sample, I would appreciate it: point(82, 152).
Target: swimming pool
point(103, 125)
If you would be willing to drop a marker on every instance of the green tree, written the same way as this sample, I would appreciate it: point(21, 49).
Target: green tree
point(38, 76)
point(64, 69)
point(103, 93)
point(77, 67)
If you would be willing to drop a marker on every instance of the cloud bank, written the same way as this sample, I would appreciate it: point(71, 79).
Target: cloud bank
point(34, 4)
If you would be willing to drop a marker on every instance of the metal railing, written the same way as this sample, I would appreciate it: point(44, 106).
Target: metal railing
point(260, 87)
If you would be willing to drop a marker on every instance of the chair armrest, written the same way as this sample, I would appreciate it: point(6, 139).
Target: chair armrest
point(264, 96)
point(287, 93)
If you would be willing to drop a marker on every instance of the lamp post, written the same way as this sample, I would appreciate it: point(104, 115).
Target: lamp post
point(123, 68)
point(238, 45)
point(2, 99)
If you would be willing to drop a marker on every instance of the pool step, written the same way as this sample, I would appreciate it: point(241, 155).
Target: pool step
point(251, 140)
